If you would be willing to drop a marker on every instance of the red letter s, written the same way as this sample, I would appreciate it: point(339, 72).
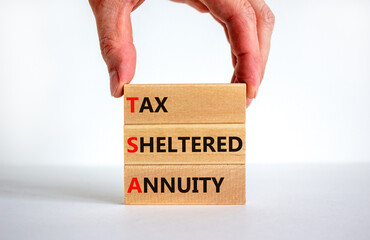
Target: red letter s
point(129, 142)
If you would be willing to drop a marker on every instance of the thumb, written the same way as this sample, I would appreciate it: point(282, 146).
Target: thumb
point(116, 43)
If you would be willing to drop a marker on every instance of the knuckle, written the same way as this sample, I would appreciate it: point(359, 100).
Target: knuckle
point(267, 15)
point(129, 3)
point(96, 3)
point(112, 3)
point(253, 80)
point(107, 44)
point(249, 11)
point(244, 11)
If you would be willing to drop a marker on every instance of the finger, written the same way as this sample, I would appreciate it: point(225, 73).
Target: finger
point(195, 4)
point(116, 43)
point(265, 26)
point(240, 20)
point(234, 80)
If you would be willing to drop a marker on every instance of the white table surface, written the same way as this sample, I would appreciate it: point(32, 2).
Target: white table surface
point(303, 201)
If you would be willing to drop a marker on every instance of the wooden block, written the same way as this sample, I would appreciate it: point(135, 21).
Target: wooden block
point(200, 184)
point(185, 144)
point(184, 103)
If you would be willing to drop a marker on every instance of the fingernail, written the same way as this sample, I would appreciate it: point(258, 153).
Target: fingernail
point(113, 82)
point(252, 91)
point(255, 93)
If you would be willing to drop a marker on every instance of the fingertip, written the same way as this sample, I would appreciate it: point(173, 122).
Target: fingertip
point(118, 93)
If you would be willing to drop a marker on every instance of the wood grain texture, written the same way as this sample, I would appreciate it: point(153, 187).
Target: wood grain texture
point(185, 103)
point(231, 188)
point(212, 144)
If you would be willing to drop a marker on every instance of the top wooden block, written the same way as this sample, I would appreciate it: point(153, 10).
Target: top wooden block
point(184, 103)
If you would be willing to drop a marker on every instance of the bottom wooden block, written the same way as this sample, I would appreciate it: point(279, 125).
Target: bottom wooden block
point(185, 184)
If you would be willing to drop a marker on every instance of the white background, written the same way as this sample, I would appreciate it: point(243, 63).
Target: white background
point(61, 133)
point(56, 108)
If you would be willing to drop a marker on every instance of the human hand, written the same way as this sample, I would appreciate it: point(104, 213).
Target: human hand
point(248, 26)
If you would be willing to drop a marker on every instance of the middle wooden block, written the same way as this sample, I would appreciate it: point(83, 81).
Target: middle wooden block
point(184, 144)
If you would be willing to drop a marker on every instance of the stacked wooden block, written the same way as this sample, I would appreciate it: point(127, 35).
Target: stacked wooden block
point(184, 144)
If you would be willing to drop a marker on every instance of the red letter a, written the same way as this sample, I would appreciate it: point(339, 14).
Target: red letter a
point(134, 185)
